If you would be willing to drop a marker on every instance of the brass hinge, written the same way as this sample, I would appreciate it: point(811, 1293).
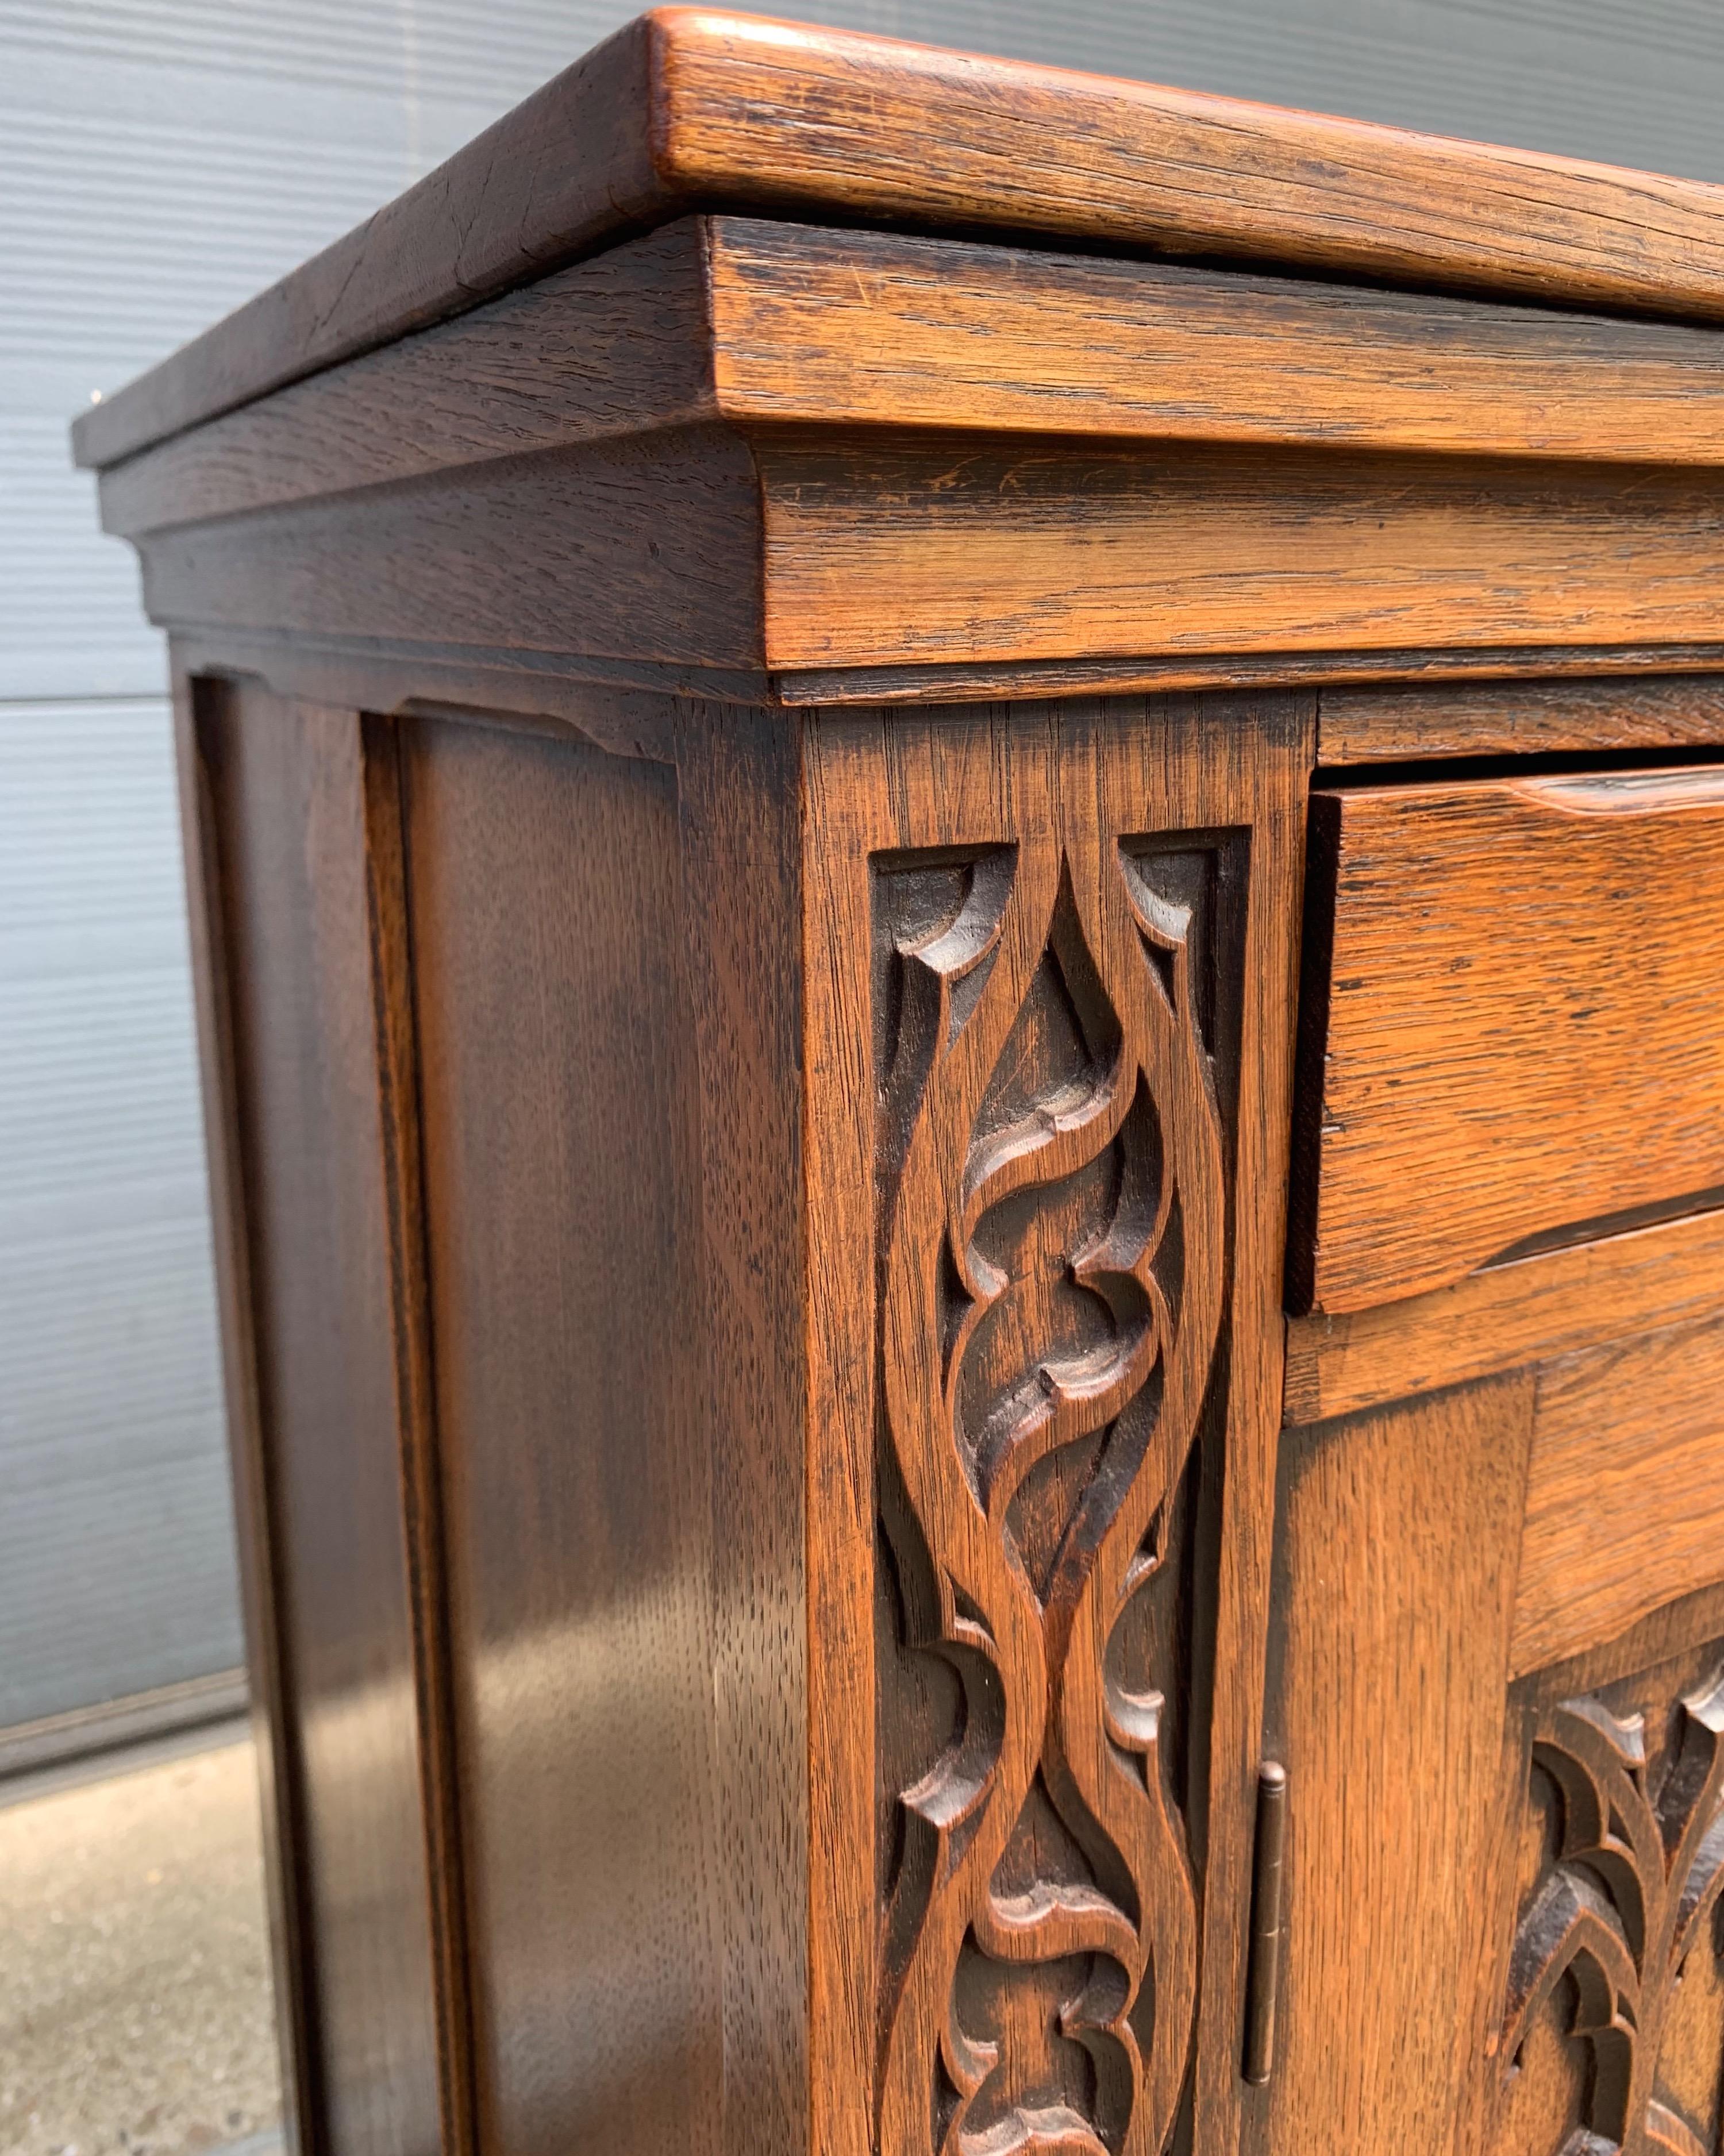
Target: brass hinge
point(1263, 1980)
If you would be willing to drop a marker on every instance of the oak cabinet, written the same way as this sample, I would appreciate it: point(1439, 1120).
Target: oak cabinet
point(957, 849)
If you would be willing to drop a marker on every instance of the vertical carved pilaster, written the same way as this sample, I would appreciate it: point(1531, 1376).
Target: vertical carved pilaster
point(1052, 1239)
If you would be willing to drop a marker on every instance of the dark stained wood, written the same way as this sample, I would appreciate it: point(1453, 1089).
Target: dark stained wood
point(856, 328)
point(613, 346)
point(739, 806)
point(420, 1491)
point(1498, 1634)
point(1624, 1508)
point(1517, 1022)
point(1610, 2025)
point(694, 547)
point(603, 475)
point(571, 164)
point(752, 1076)
point(627, 706)
point(1533, 1311)
point(933, 549)
point(560, 1123)
point(262, 1565)
point(909, 824)
point(322, 1277)
point(1395, 1592)
point(762, 324)
point(633, 548)
point(684, 108)
point(959, 680)
point(1370, 725)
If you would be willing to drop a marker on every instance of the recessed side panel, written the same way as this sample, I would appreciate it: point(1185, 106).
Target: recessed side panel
point(311, 1112)
point(562, 1171)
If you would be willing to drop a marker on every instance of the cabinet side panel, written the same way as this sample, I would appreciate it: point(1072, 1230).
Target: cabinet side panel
point(562, 1180)
point(318, 1275)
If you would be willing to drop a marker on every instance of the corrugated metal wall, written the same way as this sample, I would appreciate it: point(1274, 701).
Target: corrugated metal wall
point(159, 161)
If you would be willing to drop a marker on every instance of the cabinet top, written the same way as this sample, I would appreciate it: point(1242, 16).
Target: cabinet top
point(686, 109)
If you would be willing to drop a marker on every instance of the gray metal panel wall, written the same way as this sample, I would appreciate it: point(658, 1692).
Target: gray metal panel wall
point(159, 161)
point(116, 1568)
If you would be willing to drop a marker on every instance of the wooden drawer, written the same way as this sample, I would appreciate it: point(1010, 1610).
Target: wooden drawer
point(1513, 1025)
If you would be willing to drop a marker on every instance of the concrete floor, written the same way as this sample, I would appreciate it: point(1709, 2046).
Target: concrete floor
point(134, 2002)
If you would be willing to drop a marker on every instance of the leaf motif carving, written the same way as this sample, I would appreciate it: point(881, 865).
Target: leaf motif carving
point(1052, 1281)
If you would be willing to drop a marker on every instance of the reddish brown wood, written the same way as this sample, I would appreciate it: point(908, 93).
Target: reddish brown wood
point(875, 328)
point(1532, 1310)
point(750, 1107)
point(878, 553)
point(323, 1276)
point(1112, 791)
point(1369, 725)
point(1624, 1513)
point(684, 106)
point(1610, 2021)
point(763, 324)
point(1396, 1575)
point(1514, 1019)
point(560, 1119)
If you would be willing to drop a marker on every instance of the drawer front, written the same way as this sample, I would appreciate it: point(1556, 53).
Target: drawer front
point(1513, 1028)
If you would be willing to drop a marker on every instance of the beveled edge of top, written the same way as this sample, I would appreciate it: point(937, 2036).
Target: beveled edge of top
point(687, 109)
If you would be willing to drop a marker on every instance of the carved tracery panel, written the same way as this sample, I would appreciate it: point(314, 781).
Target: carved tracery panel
point(1052, 1270)
point(1615, 1970)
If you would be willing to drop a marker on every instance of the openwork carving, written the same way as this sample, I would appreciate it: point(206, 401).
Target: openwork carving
point(1632, 1895)
point(1053, 1235)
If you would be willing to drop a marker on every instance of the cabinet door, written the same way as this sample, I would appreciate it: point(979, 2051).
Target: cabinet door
point(1497, 1682)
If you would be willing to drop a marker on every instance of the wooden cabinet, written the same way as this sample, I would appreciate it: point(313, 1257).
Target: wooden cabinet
point(957, 847)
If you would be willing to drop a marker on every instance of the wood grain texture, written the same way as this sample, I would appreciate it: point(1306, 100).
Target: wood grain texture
point(620, 429)
point(809, 558)
point(686, 108)
point(740, 832)
point(1395, 1584)
point(617, 345)
point(692, 549)
point(1532, 1310)
point(560, 1113)
point(764, 324)
point(868, 328)
point(639, 547)
point(937, 549)
point(420, 1466)
point(1517, 1022)
point(959, 680)
point(627, 707)
point(903, 793)
point(1370, 724)
point(1612, 2021)
point(1624, 1506)
point(606, 968)
point(331, 1271)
